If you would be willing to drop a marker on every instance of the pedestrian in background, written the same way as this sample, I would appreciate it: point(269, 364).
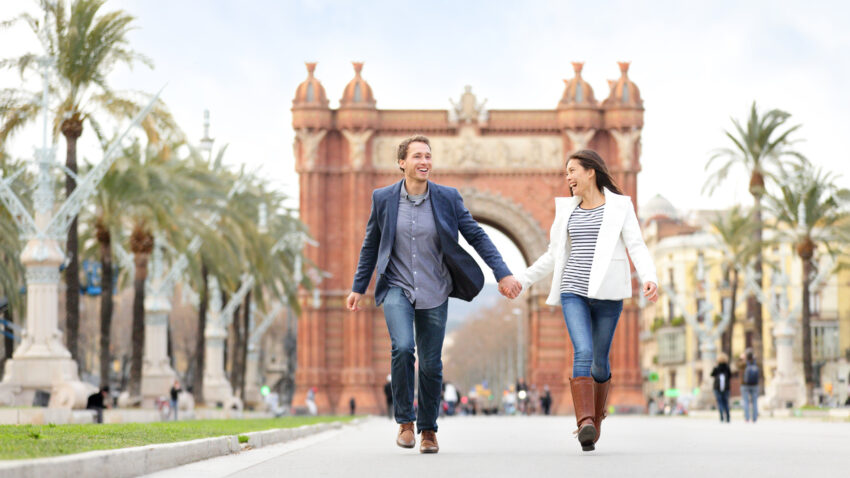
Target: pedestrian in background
point(722, 373)
point(174, 392)
point(546, 400)
point(750, 388)
point(388, 395)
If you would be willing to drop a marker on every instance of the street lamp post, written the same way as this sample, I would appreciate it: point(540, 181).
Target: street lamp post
point(41, 361)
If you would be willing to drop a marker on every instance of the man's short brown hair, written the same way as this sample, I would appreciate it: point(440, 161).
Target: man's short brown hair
point(405, 144)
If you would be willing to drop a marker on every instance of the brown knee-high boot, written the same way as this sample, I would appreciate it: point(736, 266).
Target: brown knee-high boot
point(600, 394)
point(582, 391)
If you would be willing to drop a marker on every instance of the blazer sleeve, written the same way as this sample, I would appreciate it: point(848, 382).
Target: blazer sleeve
point(479, 240)
point(638, 251)
point(542, 267)
point(368, 252)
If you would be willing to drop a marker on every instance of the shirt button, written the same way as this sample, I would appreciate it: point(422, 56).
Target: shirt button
point(414, 272)
point(414, 238)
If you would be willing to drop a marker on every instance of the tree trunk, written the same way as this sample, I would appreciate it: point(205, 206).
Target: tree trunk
point(243, 356)
point(141, 260)
point(754, 308)
point(730, 329)
point(808, 370)
point(236, 351)
point(106, 303)
point(72, 128)
point(141, 243)
point(200, 344)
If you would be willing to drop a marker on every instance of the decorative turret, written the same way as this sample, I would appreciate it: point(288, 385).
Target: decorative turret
point(578, 91)
point(624, 106)
point(578, 108)
point(310, 106)
point(357, 105)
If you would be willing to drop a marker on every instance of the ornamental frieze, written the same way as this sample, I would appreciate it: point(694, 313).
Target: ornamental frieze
point(469, 151)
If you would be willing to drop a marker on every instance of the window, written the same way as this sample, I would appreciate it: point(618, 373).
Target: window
point(700, 314)
point(579, 93)
point(310, 94)
point(671, 345)
point(825, 344)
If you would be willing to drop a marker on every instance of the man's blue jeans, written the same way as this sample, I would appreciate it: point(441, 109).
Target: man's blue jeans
point(750, 394)
point(591, 323)
point(430, 329)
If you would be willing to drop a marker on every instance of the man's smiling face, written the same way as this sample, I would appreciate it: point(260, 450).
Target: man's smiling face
point(417, 164)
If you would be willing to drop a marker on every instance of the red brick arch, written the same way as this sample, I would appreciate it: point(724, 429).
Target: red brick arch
point(508, 165)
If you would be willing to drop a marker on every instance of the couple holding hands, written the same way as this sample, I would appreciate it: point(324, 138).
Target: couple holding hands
point(411, 238)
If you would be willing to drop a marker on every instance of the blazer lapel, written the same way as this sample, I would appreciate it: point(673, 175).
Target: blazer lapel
point(392, 211)
point(609, 232)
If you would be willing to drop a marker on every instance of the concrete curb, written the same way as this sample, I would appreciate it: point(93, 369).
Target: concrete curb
point(142, 460)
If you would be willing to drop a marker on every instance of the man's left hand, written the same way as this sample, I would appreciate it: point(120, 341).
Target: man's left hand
point(510, 287)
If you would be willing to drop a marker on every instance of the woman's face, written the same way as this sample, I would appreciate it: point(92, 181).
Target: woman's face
point(579, 179)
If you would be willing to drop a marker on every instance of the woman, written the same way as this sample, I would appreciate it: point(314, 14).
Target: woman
point(591, 277)
point(722, 373)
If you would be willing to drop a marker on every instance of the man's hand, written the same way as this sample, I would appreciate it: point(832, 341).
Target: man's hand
point(510, 287)
point(650, 291)
point(353, 301)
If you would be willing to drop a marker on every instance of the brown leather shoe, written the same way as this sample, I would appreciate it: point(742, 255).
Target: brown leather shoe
point(429, 442)
point(582, 391)
point(406, 437)
point(600, 400)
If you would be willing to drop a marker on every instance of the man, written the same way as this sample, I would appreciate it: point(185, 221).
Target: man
point(412, 238)
point(97, 402)
point(174, 393)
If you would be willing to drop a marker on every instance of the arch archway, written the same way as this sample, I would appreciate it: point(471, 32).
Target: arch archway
point(507, 164)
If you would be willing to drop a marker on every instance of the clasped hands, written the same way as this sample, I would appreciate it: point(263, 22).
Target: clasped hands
point(510, 287)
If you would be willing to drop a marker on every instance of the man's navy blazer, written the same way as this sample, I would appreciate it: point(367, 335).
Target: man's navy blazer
point(450, 216)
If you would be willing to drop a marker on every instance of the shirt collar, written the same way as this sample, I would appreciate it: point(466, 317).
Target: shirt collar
point(416, 200)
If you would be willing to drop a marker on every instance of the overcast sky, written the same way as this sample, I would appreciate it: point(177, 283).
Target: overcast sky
point(696, 63)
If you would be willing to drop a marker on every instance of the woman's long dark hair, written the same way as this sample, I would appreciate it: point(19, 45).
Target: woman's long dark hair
point(590, 159)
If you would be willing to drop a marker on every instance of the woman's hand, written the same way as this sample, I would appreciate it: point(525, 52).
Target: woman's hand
point(650, 291)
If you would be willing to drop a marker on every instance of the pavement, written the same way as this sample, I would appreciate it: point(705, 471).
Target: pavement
point(525, 447)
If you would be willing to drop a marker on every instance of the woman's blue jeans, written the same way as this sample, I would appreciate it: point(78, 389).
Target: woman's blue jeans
point(591, 323)
point(430, 329)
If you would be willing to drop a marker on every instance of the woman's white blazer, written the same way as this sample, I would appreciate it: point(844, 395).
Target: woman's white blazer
point(610, 274)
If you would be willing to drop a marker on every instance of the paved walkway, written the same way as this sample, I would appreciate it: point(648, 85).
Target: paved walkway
point(532, 447)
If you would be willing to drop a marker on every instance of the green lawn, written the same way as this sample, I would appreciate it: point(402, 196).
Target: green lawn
point(36, 441)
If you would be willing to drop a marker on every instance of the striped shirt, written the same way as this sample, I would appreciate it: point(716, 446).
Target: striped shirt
point(583, 230)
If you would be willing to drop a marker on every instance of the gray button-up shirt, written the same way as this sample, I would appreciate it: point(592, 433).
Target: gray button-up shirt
point(416, 263)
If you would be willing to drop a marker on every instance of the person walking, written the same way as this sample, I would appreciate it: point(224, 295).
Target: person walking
point(722, 374)
point(750, 388)
point(546, 400)
point(388, 395)
point(412, 238)
point(174, 394)
point(591, 277)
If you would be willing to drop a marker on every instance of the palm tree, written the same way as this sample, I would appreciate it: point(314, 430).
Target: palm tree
point(86, 44)
point(734, 229)
point(811, 213)
point(759, 148)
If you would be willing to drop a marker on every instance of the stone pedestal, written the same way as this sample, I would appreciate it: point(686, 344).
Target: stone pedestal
point(706, 389)
point(41, 361)
point(788, 385)
point(217, 389)
point(157, 375)
point(253, 397)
